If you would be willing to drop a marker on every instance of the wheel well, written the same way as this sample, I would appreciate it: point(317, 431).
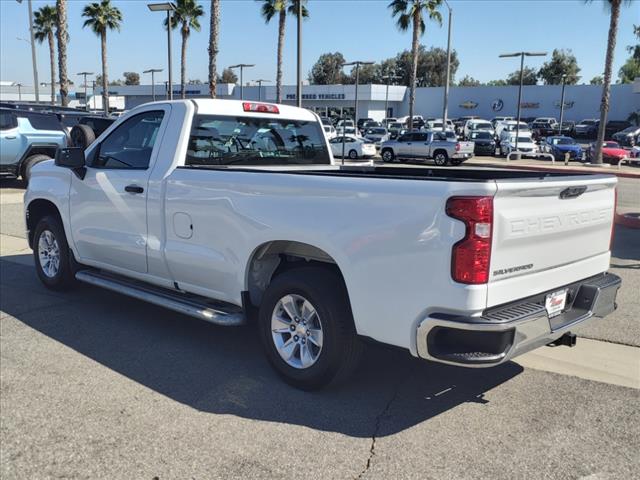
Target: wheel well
point(49, 150)
point(441, 150)
point(36, 210)
point(272, 258)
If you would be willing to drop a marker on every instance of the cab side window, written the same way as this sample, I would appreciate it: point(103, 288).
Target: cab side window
point(7, 121)
point(130, 145)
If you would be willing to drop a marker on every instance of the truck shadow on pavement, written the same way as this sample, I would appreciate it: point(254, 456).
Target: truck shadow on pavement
point(223, 370)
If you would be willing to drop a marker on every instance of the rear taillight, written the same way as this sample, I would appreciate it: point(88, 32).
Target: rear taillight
point(471, 256)
point(457, 147)
point(260, 107)
point(613, 220)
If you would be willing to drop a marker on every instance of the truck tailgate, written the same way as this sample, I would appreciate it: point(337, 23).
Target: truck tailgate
point(466, 147)
point(549, 233)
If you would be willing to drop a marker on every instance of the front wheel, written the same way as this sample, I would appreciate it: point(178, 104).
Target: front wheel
point(353, 155)
point(388, 156)
point(31, 162)
point(306, 328)
point(441, 158)
point(51, 254)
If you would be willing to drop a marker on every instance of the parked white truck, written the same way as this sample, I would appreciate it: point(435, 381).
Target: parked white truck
point(230, 211)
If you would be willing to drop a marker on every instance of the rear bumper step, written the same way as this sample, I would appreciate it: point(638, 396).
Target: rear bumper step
point(506, 332)
point(199, 307)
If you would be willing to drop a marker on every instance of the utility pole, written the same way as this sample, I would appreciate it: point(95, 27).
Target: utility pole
point(446, 85)
point(388, 79)
point(33, 50)
point(299, 74)
point(521, 55)
point(19, 85)
point(357, 64)
point(241, 66)
point(86, 99)
point(168, 7)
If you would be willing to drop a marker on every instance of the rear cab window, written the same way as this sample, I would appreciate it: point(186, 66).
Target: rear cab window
point(7, 120)
point(218, 140)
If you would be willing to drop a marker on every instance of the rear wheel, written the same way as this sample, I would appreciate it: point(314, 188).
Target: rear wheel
point(30, 162)
point(51, 253)
point(441, 158)
point(387, 155)
point(306, 328)
point(353, 155)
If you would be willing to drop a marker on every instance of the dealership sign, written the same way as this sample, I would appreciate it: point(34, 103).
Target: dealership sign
point(566, 104)
point(530, 105)
point(317, 96)
point(497, 105)
point(468, 105)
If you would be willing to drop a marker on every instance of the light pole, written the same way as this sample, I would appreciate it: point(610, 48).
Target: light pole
point(445, 107)
point(357, 64)
point(153, 71)
point(241, 66)
point(86, 103)
point(166, 7)
point(93, 93)
point(564, 82)
point(388, 79)
point(19, 85)
point(33, 50)
point(260, 82)
point(299, 54)
point(521, 55)
point(166, 90)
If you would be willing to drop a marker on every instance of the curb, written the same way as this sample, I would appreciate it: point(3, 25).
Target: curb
point(613, 170)
point(628, 220)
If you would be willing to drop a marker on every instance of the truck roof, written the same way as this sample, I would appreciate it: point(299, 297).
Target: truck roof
point(209, 106)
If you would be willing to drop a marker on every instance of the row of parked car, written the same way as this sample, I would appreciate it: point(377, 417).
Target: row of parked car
point(31, 133)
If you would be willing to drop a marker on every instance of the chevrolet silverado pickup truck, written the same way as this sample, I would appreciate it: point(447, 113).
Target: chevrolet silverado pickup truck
point(442, 147)
point(235, 212)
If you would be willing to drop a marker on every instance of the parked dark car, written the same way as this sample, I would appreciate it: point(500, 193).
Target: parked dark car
point(543, 127)
point(484, 142)
point(587, 128)
point(629, 137)
point(568, 128)
point(614, 126)
point(362, 121)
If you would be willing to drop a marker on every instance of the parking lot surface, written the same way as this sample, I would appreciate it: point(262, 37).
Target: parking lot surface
point(96, 385)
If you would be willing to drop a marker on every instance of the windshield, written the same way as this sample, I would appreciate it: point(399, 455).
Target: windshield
point(564, 141)
point(481, 126)
point(611, 145)
point(521, 140)
point(377, 131)
point(588, 122)
point(629, 129)
point(481, 135)
point(395, 125)
point(227, 140)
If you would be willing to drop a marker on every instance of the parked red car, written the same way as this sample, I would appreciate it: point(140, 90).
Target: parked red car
point(612, 152)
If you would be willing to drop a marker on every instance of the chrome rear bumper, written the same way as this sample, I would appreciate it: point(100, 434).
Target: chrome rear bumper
point(505, 332)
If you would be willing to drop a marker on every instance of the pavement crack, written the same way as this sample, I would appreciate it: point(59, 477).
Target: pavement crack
point(376, 431)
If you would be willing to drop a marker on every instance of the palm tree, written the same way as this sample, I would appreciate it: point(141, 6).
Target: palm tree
point(186, 17)
point(101, 17)
point(63, 37)
point(44, 24)
point(271, 8)
point(214, 28)
point(614, 8)
point(410, 14)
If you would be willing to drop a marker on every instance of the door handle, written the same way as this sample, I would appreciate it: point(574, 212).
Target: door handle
point(133, 189)
point(10, 137)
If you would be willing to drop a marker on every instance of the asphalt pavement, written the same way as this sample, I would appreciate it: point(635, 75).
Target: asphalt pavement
point(96, 385)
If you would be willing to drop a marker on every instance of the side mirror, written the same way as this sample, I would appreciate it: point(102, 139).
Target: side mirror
point(72, 158)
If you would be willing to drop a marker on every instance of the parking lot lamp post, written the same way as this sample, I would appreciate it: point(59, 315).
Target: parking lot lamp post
point(448, 80)
point(357, 64)
point(19, 85)
point(388, 79)
point(166, 7)
point(84, 75)
point(564, 82)
point(521, 55)
point(260, 82)
point(93, 92)
point(299, 55)
point(33, 50)
point(241, 66)
point(153, 71)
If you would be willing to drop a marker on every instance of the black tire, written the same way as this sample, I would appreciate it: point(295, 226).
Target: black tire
point(388, 155)
point(441, 158)
point(353, 155)
point(82, 136)
point(29, 164)
point(64, 278)
point(341, 348)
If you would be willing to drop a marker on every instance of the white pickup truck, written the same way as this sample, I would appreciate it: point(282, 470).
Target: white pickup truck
point(234, 212)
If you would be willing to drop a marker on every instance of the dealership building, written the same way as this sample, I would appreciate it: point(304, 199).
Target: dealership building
point(581, 101)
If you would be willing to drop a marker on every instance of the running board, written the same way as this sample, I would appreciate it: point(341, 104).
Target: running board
point(199, 307)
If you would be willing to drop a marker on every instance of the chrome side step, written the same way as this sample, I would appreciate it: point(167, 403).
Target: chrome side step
point(198, 307)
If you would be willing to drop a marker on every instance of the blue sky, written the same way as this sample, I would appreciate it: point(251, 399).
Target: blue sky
point(360, 29)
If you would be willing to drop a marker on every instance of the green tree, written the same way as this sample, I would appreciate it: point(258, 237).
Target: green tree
point(634, 50)
point(614, 7)
point(629, 71)
point(410, 14)
point(497, 83)
point(597, 80)
point(280, 8)
point(186, 17)
point(368, 74)
point(562, 62)
point(101, 17)
point(529, 77)
point(228, 76)
point(214, 30)
point(431, 70)
point(131, 78)
point(328, 70)
point(468, 81)
point(45, 21)
point(62, 34)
